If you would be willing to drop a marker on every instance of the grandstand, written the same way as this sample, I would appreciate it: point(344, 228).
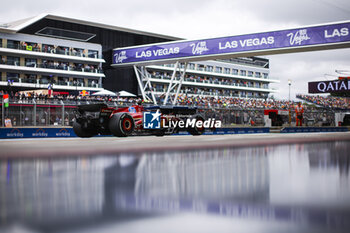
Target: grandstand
point(329, 102)
point(32, 109)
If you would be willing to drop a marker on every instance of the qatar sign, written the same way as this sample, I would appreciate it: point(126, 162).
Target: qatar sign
point(320, 37)
point(330, 86)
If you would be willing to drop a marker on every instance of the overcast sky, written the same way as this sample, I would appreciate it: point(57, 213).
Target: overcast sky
point(195, 19)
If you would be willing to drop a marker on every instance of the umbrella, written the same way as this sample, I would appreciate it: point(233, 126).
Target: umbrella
point(126, 94)
point(105, 92)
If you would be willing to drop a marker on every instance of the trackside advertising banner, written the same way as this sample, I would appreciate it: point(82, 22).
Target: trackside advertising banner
point(284, 39)
point(68, 132)
point(329, 86)
point(36, 132)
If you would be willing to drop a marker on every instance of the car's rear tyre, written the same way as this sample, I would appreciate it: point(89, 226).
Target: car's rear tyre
point(160, 133)
point(196, 130)
point(80, 131)
point(121, 124)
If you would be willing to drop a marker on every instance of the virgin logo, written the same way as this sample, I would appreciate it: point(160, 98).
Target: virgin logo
point(298, 37)
point(120, 57)
point(199, 48)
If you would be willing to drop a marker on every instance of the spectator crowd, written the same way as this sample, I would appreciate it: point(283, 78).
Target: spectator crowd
point(230, 102)
point(327, 102)
point(28, 97)
point(187, 100)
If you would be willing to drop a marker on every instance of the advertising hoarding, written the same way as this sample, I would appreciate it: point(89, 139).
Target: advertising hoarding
point(283, 41)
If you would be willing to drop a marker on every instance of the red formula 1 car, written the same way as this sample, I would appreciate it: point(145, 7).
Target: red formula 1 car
point(99, 119)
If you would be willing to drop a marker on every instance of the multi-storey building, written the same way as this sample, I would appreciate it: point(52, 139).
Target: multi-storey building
point(70, 55)
point(67, 53)
point(37, 62)
point(239, 77)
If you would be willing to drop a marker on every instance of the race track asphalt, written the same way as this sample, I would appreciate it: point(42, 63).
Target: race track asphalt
point(17, 148)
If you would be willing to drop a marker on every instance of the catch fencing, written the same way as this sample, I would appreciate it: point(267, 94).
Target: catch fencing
point(29, 113)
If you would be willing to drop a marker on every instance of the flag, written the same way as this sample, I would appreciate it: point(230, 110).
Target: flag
point(6, 100)
point(84, 93)
point(49, 88)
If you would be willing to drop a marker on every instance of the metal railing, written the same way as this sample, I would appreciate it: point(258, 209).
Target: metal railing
point(58, 112)
point(65, 67)
point(35, 47)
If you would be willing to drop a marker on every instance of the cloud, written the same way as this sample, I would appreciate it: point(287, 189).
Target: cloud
point(302, 68)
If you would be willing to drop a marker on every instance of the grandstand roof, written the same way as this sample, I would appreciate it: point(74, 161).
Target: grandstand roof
point(16, 26)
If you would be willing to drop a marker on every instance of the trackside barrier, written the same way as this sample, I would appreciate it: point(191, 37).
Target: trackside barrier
point(240, 130)
point(36, 132)
point(313, 129)
point(68, 132)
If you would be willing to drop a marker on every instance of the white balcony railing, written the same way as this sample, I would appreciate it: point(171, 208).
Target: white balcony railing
point(49, 71)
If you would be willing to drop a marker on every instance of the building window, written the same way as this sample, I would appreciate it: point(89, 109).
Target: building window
point(234, 71)
point(64, 81)
point(62, 50)
point(13, 61)
point(62, 66)
point(48, 48)
point(65, 34)
point(78, 82)
point(77, 52)
point(257, 74)
point(44, 79)
point(200, 67)
point(30, 46)
point(12, 77)
point(218, 69)
point(12, 44)
point(243, 73)
point(191, 66)
point(30, 62)
point(209, 68)
point(77, 67)
point(250, 73)
point(90, 68)
point(92, 53)
point(47, 64)
point(29, 78)
point(227, 70)
point(92, 83)
point(0, 43)
point(159, 88)
point(157, 75)
point(266, 75)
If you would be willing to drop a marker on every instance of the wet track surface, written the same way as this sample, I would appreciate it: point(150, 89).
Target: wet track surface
point(274, 188)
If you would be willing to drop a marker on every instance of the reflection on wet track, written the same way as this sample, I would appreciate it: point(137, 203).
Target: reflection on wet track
point(297, 188)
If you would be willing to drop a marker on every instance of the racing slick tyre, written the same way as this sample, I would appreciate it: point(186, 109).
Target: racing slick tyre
point(81, 131)
point(121, 124)
point(195, 130)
